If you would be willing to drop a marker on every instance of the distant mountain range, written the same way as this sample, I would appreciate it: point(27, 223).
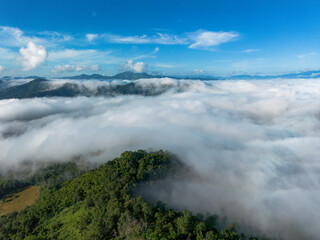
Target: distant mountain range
point(13, 78)
point(45, 88)
point(134, 76)
point(40, 87)
point(307, 74)
point(122, 76)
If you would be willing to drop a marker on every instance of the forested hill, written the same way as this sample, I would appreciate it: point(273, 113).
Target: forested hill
point(45, 88)
point(98, 205)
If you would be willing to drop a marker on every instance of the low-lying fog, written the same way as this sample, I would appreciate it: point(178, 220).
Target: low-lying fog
point(254, 146)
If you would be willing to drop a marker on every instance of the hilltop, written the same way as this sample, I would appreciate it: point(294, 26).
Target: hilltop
point(100, 204)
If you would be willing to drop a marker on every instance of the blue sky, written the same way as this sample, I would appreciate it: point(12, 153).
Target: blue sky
point(222, 37)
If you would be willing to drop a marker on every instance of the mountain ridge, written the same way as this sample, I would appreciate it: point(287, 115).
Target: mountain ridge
point(129, 75)
point(41, 87)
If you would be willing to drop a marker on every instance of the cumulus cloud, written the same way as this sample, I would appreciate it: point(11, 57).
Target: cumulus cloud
point(32, 56)
point(205, 39)
point(136, 67)
point(1, 68)
point(75, 68)
point(252, 146)
point(90, 37)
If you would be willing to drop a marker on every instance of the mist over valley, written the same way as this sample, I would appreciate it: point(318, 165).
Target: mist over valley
point(252, 145)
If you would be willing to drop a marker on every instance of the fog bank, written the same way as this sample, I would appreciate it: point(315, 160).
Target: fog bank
point(253, 145)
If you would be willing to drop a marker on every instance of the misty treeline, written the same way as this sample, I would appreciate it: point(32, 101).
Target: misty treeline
point(46, 175)
point(10, 185)
point(100, 204)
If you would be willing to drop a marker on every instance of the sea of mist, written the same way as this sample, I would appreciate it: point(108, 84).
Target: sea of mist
point(253, 146)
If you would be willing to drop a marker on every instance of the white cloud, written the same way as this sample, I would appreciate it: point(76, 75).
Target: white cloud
point(136, 67)
point(159, 38)
point(91, 37)
point(56, 36)
point(1, 68)
point(74, 68)
point(168, 39)
point(32, 56)
point(127, 39)
point(196, 40)
point(140, 67)
point(250, 50)
point(315, 74)
point(253, 145)
point(14, 37)
point(204, 39)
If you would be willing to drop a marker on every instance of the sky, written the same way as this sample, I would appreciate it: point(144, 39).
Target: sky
point(223, 37)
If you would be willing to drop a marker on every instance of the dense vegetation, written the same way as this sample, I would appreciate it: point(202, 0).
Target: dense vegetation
point(99, 205)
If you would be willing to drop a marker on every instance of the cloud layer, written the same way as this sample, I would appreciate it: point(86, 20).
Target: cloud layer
point(253, 146)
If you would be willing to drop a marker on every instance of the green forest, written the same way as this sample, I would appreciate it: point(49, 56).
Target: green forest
point(100, 204)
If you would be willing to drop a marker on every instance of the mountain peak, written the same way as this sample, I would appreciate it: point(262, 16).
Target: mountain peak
point(127, 75)
point(132, 75)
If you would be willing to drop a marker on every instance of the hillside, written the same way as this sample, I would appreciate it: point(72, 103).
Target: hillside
point(18, 201)
point(99, 205)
